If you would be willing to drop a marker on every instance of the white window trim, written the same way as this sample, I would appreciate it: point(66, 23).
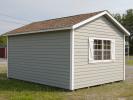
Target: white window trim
point(102, 61)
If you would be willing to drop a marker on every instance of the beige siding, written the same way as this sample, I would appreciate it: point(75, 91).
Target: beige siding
point(86, 74)
point(42, 58)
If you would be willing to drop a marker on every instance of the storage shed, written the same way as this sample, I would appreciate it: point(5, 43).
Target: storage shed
point(70, 52)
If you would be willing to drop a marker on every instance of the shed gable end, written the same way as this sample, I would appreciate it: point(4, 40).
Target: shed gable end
point(86, 74)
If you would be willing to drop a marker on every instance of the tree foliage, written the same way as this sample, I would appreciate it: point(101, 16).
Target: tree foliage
point(3, 40)
point(126, 20)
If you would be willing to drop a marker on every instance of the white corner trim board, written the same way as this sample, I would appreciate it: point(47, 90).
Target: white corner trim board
point(72, 60)
point(124, 59)
point(7, 56)
point(99, 15)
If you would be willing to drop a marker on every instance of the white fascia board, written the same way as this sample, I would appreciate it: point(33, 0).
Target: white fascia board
point(48, 30)
point(99, 15)
point(88, 20)
point(117, 23)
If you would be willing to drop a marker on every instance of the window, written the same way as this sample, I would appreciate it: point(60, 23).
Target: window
point(101, 49)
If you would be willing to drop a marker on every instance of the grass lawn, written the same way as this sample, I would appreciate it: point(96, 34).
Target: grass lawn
point(130, 62)
point(11, 89)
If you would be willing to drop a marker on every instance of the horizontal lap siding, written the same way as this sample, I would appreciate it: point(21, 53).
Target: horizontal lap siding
point(42, 58)
point(86, 74)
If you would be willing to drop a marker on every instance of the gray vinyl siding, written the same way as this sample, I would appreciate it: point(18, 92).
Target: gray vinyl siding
point(86, 74)
point(41, 58)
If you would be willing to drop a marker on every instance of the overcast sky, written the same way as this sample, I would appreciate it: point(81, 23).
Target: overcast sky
point(15, 13)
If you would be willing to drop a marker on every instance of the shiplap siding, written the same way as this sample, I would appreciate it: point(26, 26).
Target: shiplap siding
point(86, 74)
point(42, 58)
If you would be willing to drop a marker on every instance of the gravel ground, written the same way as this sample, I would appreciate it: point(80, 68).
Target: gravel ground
point(129, 73)
point(3, 61)
point(129, 58)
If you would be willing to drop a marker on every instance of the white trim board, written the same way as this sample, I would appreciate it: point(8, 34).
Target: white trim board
point(7, 57)
point(72, 60)
point(112, 59)
point(124, 59)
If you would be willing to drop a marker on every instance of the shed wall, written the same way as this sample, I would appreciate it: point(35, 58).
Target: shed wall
point(86, 74)
point(42, 58)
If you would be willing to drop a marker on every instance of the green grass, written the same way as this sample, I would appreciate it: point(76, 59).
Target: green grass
point(11, 89)
point(130, 62)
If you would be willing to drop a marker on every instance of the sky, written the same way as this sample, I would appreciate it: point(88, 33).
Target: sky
point(16, 13)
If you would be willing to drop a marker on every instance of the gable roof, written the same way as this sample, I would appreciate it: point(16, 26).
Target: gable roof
point(64, 23)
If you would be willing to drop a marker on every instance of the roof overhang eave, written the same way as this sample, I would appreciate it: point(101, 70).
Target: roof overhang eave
point(40, 31)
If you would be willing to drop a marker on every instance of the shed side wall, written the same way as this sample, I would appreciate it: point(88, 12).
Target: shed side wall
point(42, 58)
point(86, 74)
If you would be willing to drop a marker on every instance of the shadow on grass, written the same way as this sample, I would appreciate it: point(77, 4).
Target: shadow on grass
point(18, 85)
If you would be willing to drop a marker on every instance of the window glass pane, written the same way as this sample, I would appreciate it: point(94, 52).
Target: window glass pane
point(95, 42)
point(99, 58)
point(98, 53)
point(99, 42)
point(99, 46)
point(107, 50)
point(107, 44)
point(108, 57)
point(104, 42)
point(108, 47)
point(97, 49)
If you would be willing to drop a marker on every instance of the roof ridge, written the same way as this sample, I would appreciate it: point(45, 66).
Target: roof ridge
point(69, 16)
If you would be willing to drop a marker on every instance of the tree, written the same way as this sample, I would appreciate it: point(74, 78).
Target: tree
point(3, 40)
point(118, 17)
point(127, 21)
